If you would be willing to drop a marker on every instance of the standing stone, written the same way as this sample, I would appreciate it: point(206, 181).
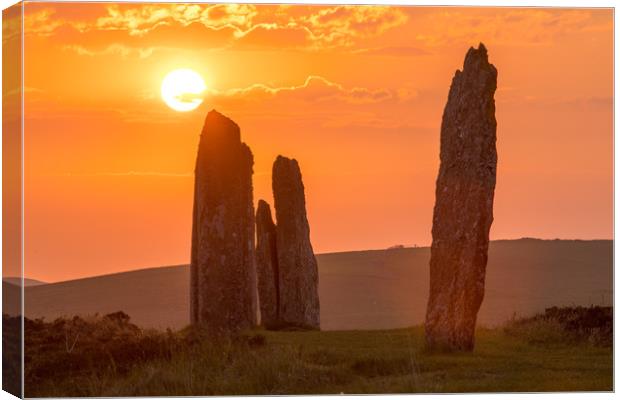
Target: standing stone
point(222, 271)
point(267, 266)
point(463, 205)
point(298, 272)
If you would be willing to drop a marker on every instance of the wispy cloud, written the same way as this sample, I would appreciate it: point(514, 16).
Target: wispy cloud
point(342, 25)
point(18, 91)
point(393, 51)
point(314, 88)
point(509, 26)
point(241, 25)
point(574, 102)
point(139, 20)
point(115, 48)
point(129, 173)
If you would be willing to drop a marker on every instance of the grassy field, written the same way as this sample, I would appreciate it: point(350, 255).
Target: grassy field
point(311, 362)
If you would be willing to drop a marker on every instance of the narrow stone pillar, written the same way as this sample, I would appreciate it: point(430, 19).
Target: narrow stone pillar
point(463, 205)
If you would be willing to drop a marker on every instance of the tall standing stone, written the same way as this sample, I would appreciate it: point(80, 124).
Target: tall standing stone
point(222, 270)
point(267, 266)
point(298, 272)
point(463, 205)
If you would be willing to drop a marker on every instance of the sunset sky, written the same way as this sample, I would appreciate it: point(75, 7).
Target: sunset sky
point(355, 94)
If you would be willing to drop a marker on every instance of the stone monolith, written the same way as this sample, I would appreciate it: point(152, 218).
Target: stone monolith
point(463, 205)
point(298, 272)
point(267, 266)
point(222, 270)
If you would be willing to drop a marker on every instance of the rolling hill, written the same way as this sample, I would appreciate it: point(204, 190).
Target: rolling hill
point(15, 280)
point(374, 289)
point(11, 298)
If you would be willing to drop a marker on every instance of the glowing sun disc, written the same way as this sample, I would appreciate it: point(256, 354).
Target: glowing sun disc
point(182, 89)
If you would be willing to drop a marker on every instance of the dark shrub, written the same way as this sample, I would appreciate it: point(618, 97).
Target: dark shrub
point(11, 354)
point(560, 324)
point(81, 346)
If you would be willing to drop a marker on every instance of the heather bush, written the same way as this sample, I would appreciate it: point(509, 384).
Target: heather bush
point(593, 325)
point(67, 347)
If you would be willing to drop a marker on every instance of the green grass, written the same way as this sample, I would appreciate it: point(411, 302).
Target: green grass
point(351, 362)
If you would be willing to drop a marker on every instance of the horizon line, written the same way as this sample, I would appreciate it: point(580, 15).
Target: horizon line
point(394, 247)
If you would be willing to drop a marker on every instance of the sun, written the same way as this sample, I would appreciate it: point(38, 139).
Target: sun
point(182, 89)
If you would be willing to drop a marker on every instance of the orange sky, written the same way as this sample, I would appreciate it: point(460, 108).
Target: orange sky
point(354, 93)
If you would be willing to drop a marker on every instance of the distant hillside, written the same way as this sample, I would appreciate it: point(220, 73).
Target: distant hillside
point(11, 298)
point(372, 289)
point(27, 282)
point(11, 295)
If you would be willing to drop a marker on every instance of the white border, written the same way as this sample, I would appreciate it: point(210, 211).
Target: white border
point(506, 3)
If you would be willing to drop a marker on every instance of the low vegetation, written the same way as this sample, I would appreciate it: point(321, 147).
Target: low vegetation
point(110, 356)
point(11, 355)
point(566, 325)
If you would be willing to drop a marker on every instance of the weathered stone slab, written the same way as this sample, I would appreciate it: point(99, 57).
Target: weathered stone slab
point(267, 266)
point(223, 272)
point(299, 278)
point(463, 206)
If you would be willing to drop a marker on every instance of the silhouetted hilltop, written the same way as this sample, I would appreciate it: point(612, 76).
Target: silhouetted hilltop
point(11, 298)
point(15, 280)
